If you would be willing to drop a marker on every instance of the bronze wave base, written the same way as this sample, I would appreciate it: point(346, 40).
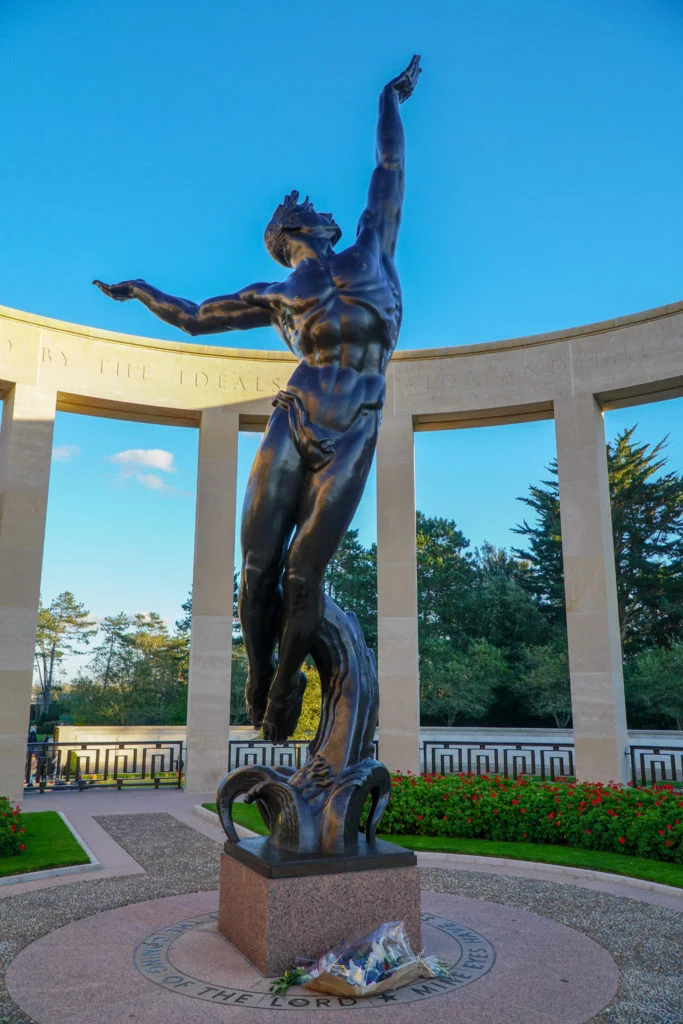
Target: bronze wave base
point(317, 809)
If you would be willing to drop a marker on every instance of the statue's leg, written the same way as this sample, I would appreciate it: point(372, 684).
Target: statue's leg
point(329, 500)
point(268, 517)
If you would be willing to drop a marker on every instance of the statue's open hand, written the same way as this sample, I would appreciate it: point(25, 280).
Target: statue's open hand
point(122, 292)
point(404, 84)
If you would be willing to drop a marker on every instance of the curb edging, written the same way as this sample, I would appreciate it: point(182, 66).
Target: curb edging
point(532, 868)
point(70, 869)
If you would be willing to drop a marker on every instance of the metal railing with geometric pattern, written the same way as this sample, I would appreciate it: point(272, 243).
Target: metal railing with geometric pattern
point(83, 765)
point(650, 765)
point(291, 754)
point(544, 760)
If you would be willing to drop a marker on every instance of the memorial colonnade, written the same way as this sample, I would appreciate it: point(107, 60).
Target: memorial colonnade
point(571, 376)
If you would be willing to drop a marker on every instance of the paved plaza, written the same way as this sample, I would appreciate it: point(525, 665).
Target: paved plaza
point(135, 937)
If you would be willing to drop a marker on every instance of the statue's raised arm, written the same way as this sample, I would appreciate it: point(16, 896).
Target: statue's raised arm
point(250, 307)
point(385, 195)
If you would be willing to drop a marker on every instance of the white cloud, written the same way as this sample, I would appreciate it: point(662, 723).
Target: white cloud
point(153, 458)
point(153, 482)
point(65, 452)
point(133, 461)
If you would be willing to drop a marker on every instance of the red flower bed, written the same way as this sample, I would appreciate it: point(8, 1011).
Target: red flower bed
point(11, 829)
point(645, 822)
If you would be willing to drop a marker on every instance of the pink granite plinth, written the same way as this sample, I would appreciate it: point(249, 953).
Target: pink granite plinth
point(271, 921)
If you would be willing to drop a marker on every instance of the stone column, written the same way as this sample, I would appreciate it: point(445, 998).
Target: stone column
point(208, 699)
point(28, 417)
point(399, 696)
point(595, 662)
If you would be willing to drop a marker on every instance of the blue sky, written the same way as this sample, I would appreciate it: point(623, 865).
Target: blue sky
point(154, 139)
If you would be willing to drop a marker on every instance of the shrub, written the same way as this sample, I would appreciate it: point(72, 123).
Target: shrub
point(11, 829)
point(310, 709)
point(644, 822)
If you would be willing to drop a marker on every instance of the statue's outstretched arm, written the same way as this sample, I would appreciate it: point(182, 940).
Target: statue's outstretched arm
point(385, 196)
point(250, 307)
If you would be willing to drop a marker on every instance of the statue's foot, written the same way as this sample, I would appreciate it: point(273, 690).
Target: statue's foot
point(256, 696)
point(255, 715)
point(282, 715)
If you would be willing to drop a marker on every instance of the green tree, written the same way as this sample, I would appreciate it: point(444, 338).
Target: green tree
point(111, 655)
point(647, 523)
point(647, 519)
point(183, 625)
point(136, 675)
point(238, 683)
point(64, 627)
point(445, 576)
point(465, 598)
point(543, 684)
point(541, 571)
point(183, 630)
point(157, 672)
point(460, 686)
point(92, 705)
point(654, 685)
point(502, 611)
point(351, 581)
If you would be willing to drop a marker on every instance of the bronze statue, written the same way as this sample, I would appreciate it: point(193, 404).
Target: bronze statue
point(340, 314)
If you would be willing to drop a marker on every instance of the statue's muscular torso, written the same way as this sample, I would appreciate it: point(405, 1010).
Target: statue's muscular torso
point(341, 318)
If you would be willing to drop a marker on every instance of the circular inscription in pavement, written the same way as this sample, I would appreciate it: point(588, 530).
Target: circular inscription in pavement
point(470, 955)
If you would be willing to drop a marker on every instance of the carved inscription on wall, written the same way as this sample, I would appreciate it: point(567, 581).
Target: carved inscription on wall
point(125, 369)
point(412, 383)
point(54, 355)
point(161, 373)
point(244, 383)
point(488, 375)
point(231, 381)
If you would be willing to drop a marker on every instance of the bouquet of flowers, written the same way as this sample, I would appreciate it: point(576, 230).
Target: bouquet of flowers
point(365, 967)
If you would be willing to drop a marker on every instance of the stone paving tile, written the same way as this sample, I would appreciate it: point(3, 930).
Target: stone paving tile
point(644, 940)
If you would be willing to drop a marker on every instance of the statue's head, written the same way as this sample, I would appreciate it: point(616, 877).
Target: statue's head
point(292, 219)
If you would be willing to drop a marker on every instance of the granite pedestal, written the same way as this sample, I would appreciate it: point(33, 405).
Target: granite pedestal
point(276, 906)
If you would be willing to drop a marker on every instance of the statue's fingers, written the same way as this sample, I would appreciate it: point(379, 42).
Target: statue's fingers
point(413, 68)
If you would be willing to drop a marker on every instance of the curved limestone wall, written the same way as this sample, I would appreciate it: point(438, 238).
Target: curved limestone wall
point(569, 375)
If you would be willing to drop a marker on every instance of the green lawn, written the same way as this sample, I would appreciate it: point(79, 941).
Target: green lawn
point(245, 814)
point(569, 856)
point(49, 844)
